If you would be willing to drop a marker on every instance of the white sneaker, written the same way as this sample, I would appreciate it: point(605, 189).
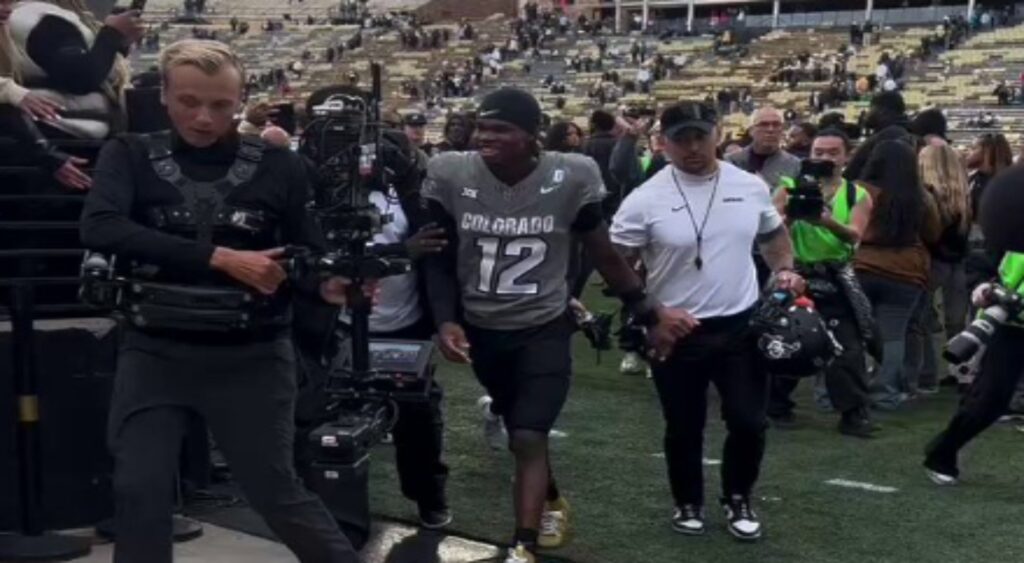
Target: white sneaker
point(494, 429)
point(519, 554)
point(632, 364)
point(743, 523)
point(689, 520)
point(941, 479)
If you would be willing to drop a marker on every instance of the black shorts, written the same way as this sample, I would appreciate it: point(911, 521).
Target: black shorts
point(525, 371)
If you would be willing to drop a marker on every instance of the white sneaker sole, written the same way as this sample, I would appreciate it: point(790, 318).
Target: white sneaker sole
point(940, 479)
point(689, 531)
point(745, 537)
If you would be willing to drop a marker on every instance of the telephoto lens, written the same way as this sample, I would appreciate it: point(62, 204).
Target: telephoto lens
point(962, 347)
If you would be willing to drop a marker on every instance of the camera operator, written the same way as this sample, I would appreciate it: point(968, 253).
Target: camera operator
point(510, 212)
point(823, 247)
point(399, 312)
point(693, 225)
point(1003, 363)
point(203, 215)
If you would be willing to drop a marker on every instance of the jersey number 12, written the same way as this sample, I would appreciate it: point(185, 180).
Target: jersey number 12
point(530, 251)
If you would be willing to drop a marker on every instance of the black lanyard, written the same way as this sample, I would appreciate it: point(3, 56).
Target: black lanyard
point(698, 232)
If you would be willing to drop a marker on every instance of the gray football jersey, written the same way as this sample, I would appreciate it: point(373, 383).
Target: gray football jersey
point(513, 241)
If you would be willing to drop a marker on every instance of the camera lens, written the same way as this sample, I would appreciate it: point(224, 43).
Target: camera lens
point(961, 348)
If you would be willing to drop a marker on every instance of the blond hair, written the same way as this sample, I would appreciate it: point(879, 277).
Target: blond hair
point(945, 176)
point(208, 56)
point(8, 58)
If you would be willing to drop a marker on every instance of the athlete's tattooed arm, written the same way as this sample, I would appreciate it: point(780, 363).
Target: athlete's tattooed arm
point(776, 249)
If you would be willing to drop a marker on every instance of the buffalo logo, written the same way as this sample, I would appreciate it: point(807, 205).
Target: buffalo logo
point(775, 348)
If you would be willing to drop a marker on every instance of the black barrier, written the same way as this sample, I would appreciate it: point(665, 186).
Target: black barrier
point(31, 542)
point(40, 257)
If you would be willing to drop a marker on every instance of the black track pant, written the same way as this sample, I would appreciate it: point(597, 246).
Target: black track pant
point(246, 394)
point(722, 352)
point(986, 400)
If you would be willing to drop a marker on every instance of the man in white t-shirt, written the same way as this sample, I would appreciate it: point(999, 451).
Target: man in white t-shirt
point(693, 224)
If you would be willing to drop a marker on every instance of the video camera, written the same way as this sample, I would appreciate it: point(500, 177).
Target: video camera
point(1006, 304)
point(355, 154)
point(805, 199)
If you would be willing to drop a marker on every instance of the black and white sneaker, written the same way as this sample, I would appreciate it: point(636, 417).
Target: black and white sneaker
point(689, 519)
point(743, 522)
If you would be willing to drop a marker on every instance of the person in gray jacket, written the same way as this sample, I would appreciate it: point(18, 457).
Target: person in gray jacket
point(765, 156)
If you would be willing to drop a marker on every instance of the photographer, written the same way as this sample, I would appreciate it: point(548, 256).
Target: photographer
point(1001, 370)
point(693, 224)
point(823, 247)
point(202, 216)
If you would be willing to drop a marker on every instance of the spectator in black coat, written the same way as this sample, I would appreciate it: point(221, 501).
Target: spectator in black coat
point(599, 147)
point(887, 119)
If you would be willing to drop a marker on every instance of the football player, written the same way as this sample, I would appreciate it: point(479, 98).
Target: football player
point(510, 212)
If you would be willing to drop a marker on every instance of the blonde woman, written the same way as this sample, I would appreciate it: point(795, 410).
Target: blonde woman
point(945, 178)
point(21, 142)
point(10, 91)
point(61, 52)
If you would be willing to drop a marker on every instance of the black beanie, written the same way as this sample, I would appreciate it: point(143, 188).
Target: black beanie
point(890, 101)
point(512, 106)
point(1002, 206)
point(929, 122)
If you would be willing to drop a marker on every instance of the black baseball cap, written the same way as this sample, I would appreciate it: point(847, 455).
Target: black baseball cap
point(415, 120)
point(687, 115)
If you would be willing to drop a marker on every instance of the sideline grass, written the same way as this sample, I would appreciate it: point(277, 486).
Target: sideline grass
point(611, 471)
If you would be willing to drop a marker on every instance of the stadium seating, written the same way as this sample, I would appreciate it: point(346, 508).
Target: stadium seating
point(963, 78)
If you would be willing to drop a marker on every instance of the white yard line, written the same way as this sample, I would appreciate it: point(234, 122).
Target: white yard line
point(870, 487)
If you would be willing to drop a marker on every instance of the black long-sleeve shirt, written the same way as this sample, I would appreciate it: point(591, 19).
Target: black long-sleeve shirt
point(125, 186)
point(57, 47)
point(31, 146)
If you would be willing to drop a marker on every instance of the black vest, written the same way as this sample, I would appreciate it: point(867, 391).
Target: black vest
point(162, 301)
point(205, 216)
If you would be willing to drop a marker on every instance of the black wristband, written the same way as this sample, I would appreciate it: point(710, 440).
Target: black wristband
point(642, 307)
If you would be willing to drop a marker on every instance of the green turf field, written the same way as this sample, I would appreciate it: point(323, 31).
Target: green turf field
point(611, 470)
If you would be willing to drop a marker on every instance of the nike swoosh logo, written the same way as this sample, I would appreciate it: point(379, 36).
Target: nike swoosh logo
point(677, 209)
point(549, 189)
point(489, 113)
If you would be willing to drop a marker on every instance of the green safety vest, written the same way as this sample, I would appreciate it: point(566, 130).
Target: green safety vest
point(1011, 271)
point(645, 162)
point(1011, 276)
point(812, 243)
